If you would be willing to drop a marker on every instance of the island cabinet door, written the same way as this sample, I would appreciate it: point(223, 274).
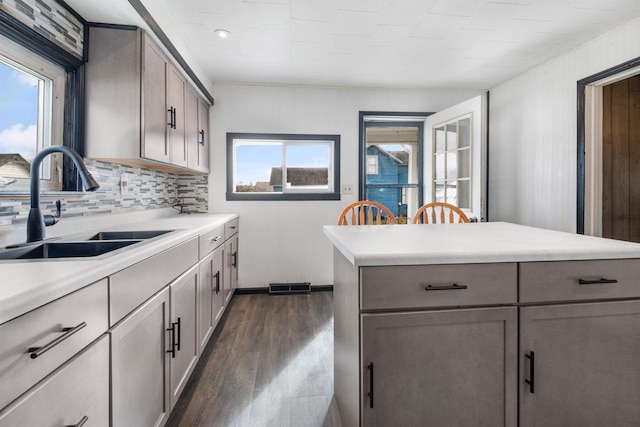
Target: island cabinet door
point(580, 365)
point(440, 368)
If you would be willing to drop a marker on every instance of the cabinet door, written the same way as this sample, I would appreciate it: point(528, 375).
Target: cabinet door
point(140, 365)
point(77, 391)
point(441, 368)
point(586, 365)
point(176, 131)
point(203, 132)
point(184, 306)
point(210, 295)
point(154, 144)
point(192, 129)
point(233, 263)
point(228, 270)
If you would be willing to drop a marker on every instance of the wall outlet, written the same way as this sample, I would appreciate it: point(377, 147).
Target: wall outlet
point(125, 184)
point(347, 188)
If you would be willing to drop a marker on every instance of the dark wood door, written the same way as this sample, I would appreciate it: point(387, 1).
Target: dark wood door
point(621, 160)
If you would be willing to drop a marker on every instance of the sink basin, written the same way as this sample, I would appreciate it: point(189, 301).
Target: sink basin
point(127, 235)
point(65, 249)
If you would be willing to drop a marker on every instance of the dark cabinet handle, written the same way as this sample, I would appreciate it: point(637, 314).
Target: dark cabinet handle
point(172, 350)
point(370, 368)
point(215, 239)
point(178, 334)
point(201, 137)
point(597, 281)
point(39, 351)
point(217, 277)
point(235, 259)
point(172, 117)
point(444, 288)
point(532, 364)
point(82, 422)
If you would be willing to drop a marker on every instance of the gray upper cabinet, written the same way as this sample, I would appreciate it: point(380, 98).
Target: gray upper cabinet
point(585, 367)
point(154, 144)
point(197, 132)
point(136, 103)
point(177, 110)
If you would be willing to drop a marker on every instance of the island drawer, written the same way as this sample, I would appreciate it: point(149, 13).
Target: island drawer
point(36, 343)
point(211, 240)
point(231, 227)
point(418, 286)
point(579, 280)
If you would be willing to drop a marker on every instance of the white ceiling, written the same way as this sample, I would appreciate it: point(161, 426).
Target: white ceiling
point(465, 44)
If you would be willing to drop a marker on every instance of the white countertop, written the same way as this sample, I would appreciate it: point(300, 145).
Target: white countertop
point(411, 244)
point(28, 284)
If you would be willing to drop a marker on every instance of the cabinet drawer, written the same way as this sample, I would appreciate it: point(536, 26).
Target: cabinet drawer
point(579, 280)
point(417, 286)
point(84, 310)
point(134, 285)
point(231, 227)
point(79, 390)
point(211, 240)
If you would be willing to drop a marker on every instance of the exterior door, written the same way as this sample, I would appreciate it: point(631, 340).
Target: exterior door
point(455, 157)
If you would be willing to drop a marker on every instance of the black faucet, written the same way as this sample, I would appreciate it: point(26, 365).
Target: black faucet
point(36, 221)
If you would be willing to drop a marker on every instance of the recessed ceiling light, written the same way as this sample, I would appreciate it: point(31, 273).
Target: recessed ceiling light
point(223, 34)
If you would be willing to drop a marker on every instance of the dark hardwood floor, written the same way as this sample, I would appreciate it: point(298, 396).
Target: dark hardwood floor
point(269, 363)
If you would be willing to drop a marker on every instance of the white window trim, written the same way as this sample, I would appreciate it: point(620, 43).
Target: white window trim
point(372, 167)
point(53, 124)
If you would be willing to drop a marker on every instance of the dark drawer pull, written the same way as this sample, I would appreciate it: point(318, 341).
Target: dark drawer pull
point(531, 381)
point(82, 422)
point(445, 287)
point(234, 255)
point(178, 338)
point(215, 239)
point(597, 281)
point(39, 351)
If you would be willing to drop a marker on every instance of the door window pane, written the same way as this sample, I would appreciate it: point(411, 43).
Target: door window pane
point(452, 170)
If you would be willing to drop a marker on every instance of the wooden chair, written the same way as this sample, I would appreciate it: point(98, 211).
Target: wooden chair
point(439, 212)
point(365, 212)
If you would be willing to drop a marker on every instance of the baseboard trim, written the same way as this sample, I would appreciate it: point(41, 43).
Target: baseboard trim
point(265, 290)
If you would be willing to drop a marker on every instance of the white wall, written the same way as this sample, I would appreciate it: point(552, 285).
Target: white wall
point(282, 241)
point(533, 132)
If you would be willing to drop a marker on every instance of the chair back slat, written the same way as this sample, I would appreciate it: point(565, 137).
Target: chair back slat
point(366, 212)
point(447, 213)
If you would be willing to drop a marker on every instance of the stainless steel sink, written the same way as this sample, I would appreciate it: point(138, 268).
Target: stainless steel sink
point(127, 235)
point(52, 250)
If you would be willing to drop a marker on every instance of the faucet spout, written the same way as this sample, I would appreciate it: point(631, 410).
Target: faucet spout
point(35, 221)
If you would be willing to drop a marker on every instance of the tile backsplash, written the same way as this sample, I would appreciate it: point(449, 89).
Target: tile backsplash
point(140, 189)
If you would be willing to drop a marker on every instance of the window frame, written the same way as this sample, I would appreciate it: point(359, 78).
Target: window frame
point(50, 123)
point(74, 89)
point(289, 194)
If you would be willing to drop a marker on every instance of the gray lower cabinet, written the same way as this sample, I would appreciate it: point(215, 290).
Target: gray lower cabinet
point(140, 365)
point(582, 364)
point(440, 368)
point(231, 267)
point(77, 391)
point(184, 343)
point(210, 295)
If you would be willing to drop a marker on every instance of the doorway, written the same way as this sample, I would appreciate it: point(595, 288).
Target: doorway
point(609, 153)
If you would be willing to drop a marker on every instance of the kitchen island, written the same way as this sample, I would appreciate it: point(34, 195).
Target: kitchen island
point(484, 325)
